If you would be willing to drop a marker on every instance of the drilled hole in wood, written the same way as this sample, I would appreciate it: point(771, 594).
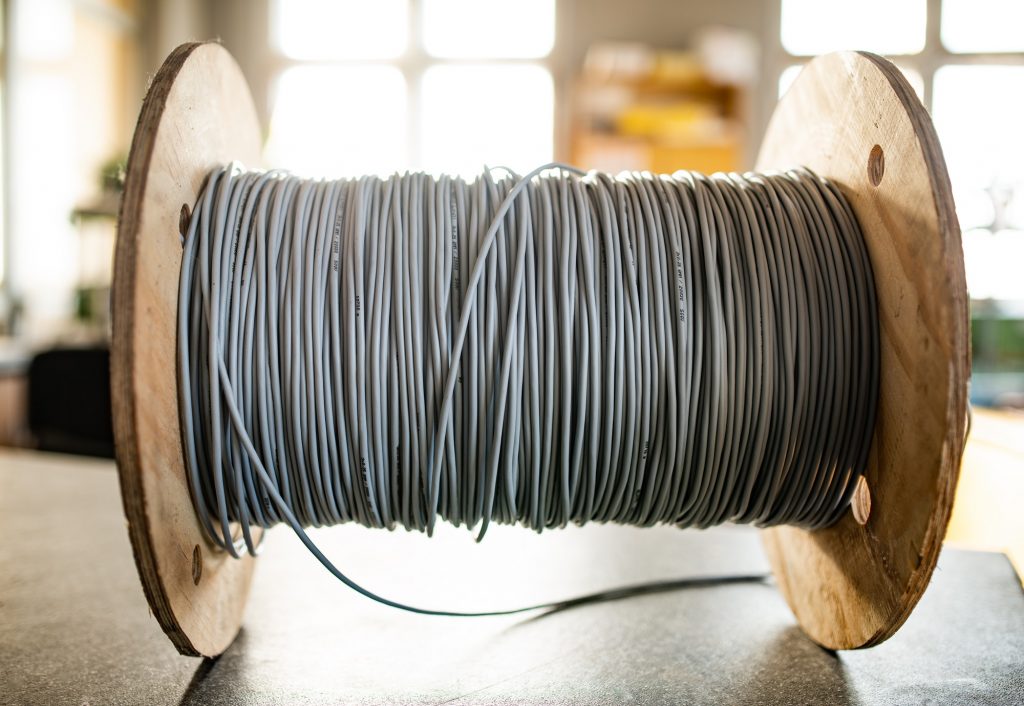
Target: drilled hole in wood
point(197, 565)
point(183, 218)
point(861, 504)
point(876, 165)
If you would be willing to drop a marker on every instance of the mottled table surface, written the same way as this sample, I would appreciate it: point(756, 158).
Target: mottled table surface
point(75, 628)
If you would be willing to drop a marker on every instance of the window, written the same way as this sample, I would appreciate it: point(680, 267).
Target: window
point(451, 28)
point(352, 117)
point(69, 96)
point(507, 120)
point(439, 85)
point(812, 27)
point(979, 113)
point(341, 29)
point(983, 26)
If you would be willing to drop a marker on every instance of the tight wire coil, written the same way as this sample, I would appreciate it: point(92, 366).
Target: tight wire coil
point(560, 347)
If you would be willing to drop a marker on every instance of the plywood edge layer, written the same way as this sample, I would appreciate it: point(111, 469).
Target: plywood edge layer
point(124, 319)
point(956, 412)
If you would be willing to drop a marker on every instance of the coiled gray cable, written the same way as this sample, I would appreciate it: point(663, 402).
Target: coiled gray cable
point(561, 347)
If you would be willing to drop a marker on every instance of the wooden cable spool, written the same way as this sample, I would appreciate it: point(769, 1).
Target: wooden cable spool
point(850, 117)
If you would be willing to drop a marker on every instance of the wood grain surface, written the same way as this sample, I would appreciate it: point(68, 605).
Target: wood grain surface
point(197, 114)
point(852, 117)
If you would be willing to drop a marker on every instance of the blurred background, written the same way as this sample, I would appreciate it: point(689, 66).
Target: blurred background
point(346, 87)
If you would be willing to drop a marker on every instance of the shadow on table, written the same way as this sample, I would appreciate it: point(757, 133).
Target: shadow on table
point(790, 669)
point(193, 692)
point(794, 669)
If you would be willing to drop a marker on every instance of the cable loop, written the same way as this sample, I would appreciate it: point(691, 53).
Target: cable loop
point(563, 347)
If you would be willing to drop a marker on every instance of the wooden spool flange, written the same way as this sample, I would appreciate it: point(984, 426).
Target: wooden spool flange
point(198, 114)
point(849, 117)
point(853, 118)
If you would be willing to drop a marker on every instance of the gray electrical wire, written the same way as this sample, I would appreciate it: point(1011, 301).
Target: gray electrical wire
point(552, 349)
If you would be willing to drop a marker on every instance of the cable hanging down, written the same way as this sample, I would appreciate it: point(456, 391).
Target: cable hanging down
point(562, 347)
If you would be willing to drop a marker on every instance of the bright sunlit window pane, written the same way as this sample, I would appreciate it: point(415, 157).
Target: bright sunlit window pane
point(884, 26)
point(915, 79)
point(45, 30)
point(44, 155)
point(340, 29)
point(486, 114)
point(978, 112)
point(339, 121)
point(983, 25)
point(787, 77)
point(489, 28)
point(790, 73)
point(992, 264)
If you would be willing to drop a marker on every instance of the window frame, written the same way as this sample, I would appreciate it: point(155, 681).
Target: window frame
point(926, 62)
point(413, 64)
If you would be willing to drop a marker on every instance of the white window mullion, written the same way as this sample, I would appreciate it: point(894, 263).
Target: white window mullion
point(414, 66)
point(359, 92)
